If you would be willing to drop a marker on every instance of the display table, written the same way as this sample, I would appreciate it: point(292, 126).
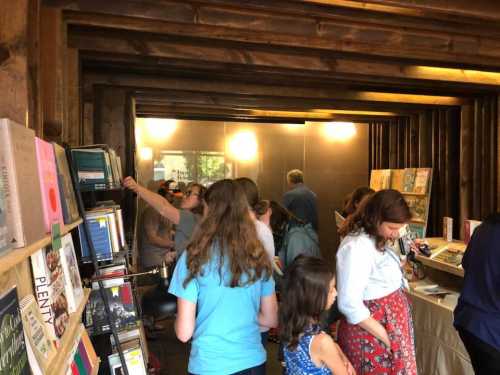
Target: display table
point(440, 350)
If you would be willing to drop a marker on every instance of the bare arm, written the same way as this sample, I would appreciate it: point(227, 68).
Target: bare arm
point(325, 351)
point(185, 321)
point(268, 314)
point(151, 227)
point(156, 201)
point(376, 329)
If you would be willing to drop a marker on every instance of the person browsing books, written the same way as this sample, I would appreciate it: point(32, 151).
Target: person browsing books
point(477, 315)
point(185, 218)
point(224, 288)
point(309, 290)
point(377, 331)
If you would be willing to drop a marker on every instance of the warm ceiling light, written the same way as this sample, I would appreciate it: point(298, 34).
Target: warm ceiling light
point(454, 74)
point(146, 153)
point(294, 127)
point(243, 146)
point(339, 131)
point(159, 129)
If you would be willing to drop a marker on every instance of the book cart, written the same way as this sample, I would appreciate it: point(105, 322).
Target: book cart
point(112, 314)
point(435, 281)
point(28, 345)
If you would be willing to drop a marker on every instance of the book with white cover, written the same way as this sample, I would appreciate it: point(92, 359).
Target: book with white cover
point(40, 348)
point(72, 281)
point(19, 172)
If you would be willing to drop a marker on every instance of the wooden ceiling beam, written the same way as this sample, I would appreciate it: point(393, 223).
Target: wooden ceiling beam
point(138, 45)
point(482, 9)
point(242, 102)
point(454, 48)
point(233, 88)
point(108, 63)
point(148, 110)
point(161, 51)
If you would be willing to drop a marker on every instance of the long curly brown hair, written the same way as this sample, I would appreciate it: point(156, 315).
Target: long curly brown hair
point(228, 228)
point(385, 205)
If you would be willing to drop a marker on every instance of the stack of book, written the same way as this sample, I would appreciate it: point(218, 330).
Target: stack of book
point(97, 167)
point(121, 302)
point(106, 232)
point(132, 342)
point(35, 187)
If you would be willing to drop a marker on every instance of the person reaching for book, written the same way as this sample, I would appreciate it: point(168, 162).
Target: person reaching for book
point(186, 218)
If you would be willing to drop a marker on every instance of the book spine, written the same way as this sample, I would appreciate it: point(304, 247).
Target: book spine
point(11, 193)
point(68, 285)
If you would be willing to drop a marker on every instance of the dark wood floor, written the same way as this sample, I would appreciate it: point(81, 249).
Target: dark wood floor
point(173, 355)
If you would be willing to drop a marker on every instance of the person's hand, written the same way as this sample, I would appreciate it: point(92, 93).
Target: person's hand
point(349, 368)
point(169, 257)
point(130, 183)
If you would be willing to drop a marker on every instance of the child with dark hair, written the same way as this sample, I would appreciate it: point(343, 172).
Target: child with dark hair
point(308, 291)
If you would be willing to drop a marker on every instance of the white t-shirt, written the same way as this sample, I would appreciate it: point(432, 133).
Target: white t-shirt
point(266, 238)
point(364, 273)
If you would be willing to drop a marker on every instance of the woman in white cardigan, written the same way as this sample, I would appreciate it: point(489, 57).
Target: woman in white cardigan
point(377, 332)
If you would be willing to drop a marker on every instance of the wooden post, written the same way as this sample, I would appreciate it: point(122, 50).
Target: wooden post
point(19, 62)
point(466, 163)
point(20, 98)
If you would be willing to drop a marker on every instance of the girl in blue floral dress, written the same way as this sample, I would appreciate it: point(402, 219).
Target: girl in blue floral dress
point(308, 290)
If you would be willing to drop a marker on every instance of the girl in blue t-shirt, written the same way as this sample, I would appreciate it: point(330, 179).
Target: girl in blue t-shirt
point(308, 291)
point(224, 288)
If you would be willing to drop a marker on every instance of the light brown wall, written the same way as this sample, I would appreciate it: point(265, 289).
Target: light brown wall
point(331, 169)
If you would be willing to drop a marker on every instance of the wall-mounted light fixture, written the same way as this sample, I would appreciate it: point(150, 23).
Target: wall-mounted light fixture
point(339, 131)
point(243, 146)
point(146, 153)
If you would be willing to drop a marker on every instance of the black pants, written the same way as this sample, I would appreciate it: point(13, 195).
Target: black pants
point(484, 357)
point(259, 370)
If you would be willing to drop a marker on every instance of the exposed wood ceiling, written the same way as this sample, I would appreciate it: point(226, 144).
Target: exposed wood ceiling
point(287, 60)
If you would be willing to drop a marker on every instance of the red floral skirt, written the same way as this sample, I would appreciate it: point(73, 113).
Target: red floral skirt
point(369, 355)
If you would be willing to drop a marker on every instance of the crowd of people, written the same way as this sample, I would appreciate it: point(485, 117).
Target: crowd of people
point(230, 248)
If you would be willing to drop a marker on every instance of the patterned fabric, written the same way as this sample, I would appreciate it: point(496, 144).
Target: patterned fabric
point(369, 355)
point(298, 361)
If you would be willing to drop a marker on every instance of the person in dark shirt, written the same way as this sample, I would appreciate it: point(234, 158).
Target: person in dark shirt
point(300, 200)
point(477, 315)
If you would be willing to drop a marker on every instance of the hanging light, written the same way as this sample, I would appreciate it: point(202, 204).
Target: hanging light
point(339, 131)
point(243, 146)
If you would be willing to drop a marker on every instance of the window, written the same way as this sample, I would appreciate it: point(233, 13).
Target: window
point(204, 167)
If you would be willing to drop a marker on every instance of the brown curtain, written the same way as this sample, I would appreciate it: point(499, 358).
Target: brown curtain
point(479, 158)
point(430, 139)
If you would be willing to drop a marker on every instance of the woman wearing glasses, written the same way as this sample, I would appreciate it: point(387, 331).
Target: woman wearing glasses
point(185, 218)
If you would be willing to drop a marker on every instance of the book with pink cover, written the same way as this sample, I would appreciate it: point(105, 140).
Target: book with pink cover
point(49, 187)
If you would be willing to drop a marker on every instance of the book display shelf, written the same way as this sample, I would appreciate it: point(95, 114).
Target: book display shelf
point(41, 293)
point(112, 317)
point(415, 186)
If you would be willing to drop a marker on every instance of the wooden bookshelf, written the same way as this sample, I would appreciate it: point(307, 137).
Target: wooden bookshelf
point(60, 361)
point(15, 256)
